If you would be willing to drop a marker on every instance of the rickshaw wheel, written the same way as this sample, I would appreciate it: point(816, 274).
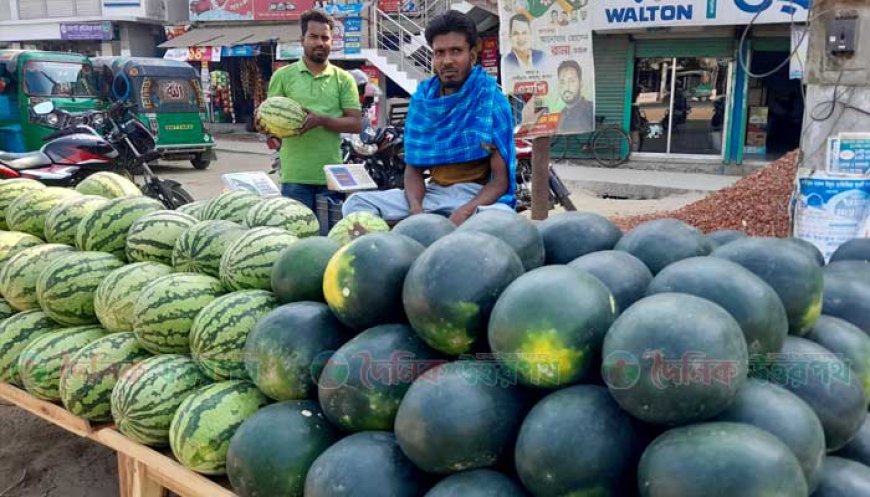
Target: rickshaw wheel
point(200, 163)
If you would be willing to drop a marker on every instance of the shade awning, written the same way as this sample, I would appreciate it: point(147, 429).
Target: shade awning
point(228, 36)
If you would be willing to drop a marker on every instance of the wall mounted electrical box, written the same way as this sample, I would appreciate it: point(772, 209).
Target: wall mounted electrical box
point(842, 34)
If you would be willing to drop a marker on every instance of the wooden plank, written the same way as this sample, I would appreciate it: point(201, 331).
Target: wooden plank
point(161, 469)
point(52, 413)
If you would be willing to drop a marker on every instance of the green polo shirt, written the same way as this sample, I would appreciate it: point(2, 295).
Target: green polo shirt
point(329, 93)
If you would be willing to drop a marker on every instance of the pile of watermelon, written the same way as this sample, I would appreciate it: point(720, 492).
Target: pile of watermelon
point(500, 358)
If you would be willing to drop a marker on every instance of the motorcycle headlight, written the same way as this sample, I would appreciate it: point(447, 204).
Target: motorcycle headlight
point(98, 120)
point(52, 119)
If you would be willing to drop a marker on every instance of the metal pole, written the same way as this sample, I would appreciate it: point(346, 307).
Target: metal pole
point(540, 177)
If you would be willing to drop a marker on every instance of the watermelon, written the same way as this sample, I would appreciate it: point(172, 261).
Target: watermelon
point(355, 225)
point(859, 448)
point(807, 248)
point(63, 219)
point(105, 228)
point(108, 185)
point(27, 213)
point(12, 242)
point(18, 276)
point(570, 235)
point(206, 420)
point(553, 457)
point(193, 208)
point(857, 249)
point(364, 464)
point(623, 274)
point(847, 292)
point(662, 242)
point(721, 237)
point(87, 380)
point(426, 228)
point(477, 483)
point(117, 293)
point(10, 190)
point(230, 206)
point(164, 312)
point(297, 274)
point(200, 248)
point(285, 213)
point(66, 287)
point(843, 478)
point(152, 237)
point(751, 301)
point(362, 384)
point(788, 270)
point(247, 263)
point(287, 348)
point(41, 361)
point(264, 461)
point(783, 414)
point(674, 358)
point(219, 332)
point(459, 415)
point(6, 310)
point(719, 459)
point(16, 333)
point(513, 229)
point(445, 306)
point(558, 343)
point(847, 340)
point(363, 280)
point(280, 116)
point(147, 395)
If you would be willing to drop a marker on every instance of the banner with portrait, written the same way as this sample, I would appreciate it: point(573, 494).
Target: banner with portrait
point(547, 65)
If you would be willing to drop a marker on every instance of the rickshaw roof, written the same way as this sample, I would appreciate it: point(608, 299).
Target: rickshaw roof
point(144, 66)
point(11, 58)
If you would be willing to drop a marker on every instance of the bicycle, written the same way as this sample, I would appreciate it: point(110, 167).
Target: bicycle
point(609, 144)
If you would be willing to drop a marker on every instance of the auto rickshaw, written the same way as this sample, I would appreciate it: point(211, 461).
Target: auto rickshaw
point(30, 77)
point(169, 99)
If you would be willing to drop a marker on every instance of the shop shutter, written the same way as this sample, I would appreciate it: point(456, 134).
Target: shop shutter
point(31, 9)
point(61, 8)
point(88, 8)
point(5, 10)
point(700, 47)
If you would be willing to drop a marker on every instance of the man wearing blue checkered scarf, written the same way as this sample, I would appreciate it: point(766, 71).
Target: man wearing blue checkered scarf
point(460, 129)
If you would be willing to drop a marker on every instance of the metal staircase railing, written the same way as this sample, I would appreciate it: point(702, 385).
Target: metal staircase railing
point(414, 56)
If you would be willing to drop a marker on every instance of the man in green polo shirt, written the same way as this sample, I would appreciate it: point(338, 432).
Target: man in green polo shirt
point(330, 96)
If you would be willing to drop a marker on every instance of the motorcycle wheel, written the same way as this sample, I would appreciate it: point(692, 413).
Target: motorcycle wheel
point(170, 193)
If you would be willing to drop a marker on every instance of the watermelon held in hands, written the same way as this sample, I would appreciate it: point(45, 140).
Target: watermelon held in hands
point(284, 213)
point(570, 235)
point(513, 229)
point(66, 287)
point(116, 295)
point(247, 262)
point(200, 248)
point(356, 225)
point(297, 274)
point(623, 274)
point(41, 361)
point(662, 242)
point(16, 333)
point(28, 212)
point(426, 228)
point(19, 274)
point(62, 221)
point(108, 185)
point(152, 237)
point(280, 116)
point(477, 483)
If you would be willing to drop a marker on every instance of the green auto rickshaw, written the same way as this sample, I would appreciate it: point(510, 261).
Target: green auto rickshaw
point(30, 77)
point(169, 99)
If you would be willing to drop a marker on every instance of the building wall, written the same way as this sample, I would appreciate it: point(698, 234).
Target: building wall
point(177, 11)
point(139, 40)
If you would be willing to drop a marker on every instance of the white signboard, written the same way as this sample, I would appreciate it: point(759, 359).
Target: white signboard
point(639, 14)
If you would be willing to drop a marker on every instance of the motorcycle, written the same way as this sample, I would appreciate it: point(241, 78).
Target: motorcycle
point(559, 193)
point(77, 150)
point(381, 152)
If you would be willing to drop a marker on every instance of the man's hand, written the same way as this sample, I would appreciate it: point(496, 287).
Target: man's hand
point(415, 209)
point(311, 121)
point(461, 214)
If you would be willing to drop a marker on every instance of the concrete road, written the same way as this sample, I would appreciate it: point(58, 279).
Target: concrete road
point(206, 184)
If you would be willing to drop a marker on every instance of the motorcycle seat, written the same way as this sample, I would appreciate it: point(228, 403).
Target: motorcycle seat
point(26, 160)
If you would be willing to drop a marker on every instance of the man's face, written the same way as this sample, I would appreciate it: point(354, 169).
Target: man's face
point(569, 85)
point(521, 33)
point(452, 59)
point(317, 42)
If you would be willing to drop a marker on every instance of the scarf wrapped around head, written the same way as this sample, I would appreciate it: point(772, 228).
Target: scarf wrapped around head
point(454, 128)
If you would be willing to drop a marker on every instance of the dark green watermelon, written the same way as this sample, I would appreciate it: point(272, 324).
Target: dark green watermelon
point(425, 228)
point(853, 250)
point(843, 478)
point(450, 290)
point(364, 464)
point(719, 459)
point(847, 292)
point(751, 301)
point(458, 416)
point(263, 460)
point(626, 276)
point(477, 483)
point(782, 413)
point(843, 337)
point(808, 248)
point(287, 346)
point(364, 381)
point(721, 237)
point(558, 343)
point(513, 229)
point(577, 441)
point(859, 448)
point(363, 280)
point(662, 242)
point(674, 358)
point(570, 235)
point(298, 273)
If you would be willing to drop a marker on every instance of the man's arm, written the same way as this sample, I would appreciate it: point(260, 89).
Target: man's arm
point(350, 122)
point(490, 193)
point(415, 188)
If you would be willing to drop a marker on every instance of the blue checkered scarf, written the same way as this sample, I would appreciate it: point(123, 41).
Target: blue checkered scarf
point(452, 129)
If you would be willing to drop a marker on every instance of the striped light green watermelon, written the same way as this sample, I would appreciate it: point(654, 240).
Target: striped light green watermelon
point(6, 310)
point(18, 276)
point(283, 212)
point(219, 332)
point(356, 225)
point(27, 213)
point(206, 421)
point(200, 248)
point(105, 229)
point(230, 206)
point(16, 333)
point(193, 208)
point(63, 219)
point(280, 116)
point(152, 237)
point(166, 307)
point(147, 395)
point(117, 293)
point(12, 242)
point(87, 379)
point(66, 287)
point(108, 185)
point(41, 361)
point(247, 263)
point(10, 190)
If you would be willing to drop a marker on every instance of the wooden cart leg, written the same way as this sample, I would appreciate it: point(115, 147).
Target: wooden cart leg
point(133, 479)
